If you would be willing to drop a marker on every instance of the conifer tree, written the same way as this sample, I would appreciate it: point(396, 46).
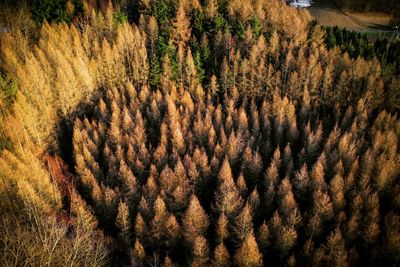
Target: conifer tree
point(167, 152)
point(228, 200)
point(168, 262)
point(158, 223)
point(241, 185)
point(181, 27)
point(123, 222)
point(263, 237)
point(322, 205)
point(221, 256)
point(140, 227)
point(337, 192)
point(155, 70)
point(200, 252)
point(243, 224)
point(252, 166)
point(222, 228)
point(287, 203)
point(248, 254)
point(336, 249)
point(172, 232)
point(83, 213)
point(195, 221)
point(138, 253)
point(392, 235)
point(211, 9)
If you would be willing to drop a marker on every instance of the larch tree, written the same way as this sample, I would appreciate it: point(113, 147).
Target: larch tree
point(211, 9)
point(250, 138)
point(191, 78)
point(248, 254)
point(138, 253)
point(221, 230)
point(84, 214)
point(172, 232)
point(227, 198)
point(242, 225)
point(221, 256)
point(195, 221)
point(263, 237)
point(200, 252)
point(336, 249)
point(123, 222)
point(287, 203)
point(337, 193)
point(158, 223)
point(181, 31)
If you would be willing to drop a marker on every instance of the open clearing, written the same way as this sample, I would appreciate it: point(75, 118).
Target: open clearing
point(375, 20)
point(327, 13)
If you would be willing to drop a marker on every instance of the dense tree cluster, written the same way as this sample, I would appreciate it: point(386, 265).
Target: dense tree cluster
point(205, 133)
point(176, 174)
point(358, 45)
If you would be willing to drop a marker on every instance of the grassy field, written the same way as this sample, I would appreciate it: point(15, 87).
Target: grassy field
point(328, 14)
point(375, 20)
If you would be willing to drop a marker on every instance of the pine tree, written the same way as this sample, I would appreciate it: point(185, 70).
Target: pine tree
point(178, 140)
point(318, 174)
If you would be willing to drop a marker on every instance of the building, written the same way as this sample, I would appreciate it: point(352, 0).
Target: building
point(299, 3)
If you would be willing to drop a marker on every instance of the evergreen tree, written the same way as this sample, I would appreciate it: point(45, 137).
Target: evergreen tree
point(155, 71)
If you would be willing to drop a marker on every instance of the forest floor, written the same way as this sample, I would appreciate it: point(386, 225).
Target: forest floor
point(375, 24)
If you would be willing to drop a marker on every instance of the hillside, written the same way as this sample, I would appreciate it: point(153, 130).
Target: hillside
point(195, 133)
point(376, 24)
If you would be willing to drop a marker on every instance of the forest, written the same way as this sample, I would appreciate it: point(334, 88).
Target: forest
point(195, 133)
